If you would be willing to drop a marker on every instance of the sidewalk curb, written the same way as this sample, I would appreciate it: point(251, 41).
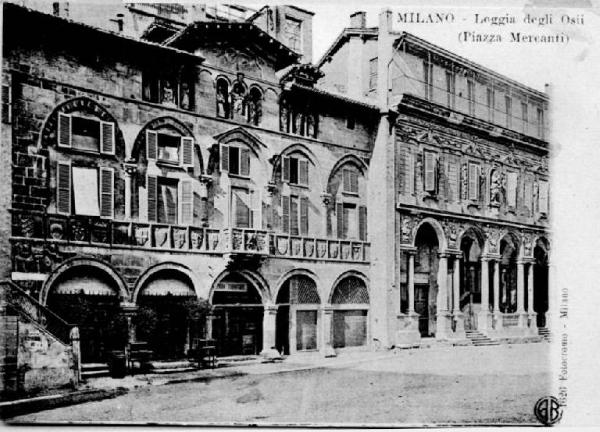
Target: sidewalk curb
point(42, 403)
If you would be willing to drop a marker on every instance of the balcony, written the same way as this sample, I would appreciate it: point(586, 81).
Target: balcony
point(94, 231)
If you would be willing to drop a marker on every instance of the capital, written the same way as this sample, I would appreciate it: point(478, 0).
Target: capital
point(130, 167)
point(327, 199)
point(271, 188)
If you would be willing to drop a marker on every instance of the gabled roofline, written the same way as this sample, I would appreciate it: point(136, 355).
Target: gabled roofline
point(348, 31)
point(51, 19)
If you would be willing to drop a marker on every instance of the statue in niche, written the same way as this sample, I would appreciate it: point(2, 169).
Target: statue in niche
point(238, 96)
point(495, 187)
point(168, 97)
point(536, 191)
point(310, 125)
point(185, 96)
point(284, 115)
point(222, 98)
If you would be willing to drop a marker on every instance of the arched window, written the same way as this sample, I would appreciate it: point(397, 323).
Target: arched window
point(254, 109)
point(223, 110)
point(298, 116)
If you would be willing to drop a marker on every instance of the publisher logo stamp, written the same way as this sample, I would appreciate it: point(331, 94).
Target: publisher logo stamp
point(548, 410)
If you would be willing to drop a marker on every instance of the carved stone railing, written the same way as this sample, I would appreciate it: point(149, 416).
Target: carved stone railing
point(94, 231)
point(510, 320)
point(319, 248)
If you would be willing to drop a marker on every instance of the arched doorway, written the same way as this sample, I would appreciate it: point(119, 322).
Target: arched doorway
point(297, 315)
point(170, 315)
point(87, 296)
point(238, 316)
point(350, 301)
point(509, 250)
point(540, 281)
point(470, 277)
point(426, 270)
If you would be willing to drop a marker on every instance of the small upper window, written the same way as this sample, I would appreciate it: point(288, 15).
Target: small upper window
point(235, 160)
point(87, 134)
point(169, 90)
point(349, 181)
point(169, 148)
point(293, 33)
point(350, 122)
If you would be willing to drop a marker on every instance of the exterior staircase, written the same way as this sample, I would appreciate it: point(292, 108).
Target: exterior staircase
point(545, 334)
point(479, 339)
point(18, 306)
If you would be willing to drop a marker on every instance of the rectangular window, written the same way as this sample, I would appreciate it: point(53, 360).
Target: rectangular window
point(85, 134)
point(295, 170)
point(187, 202)
point(430, 177)
point(294, 215)
point(242, 208)
point(63, 188)
point(428, 79)
point(168, 147)
point(349, 181)
point(511, 188)
point(471, 96)
point(168, 90)
point(490, 103)
point(508, 107)
point(350, 122)
point(235, 160)
point(373, 74)
point(85, 191)
point(473, 181)
point(450, 85)
point(524, 116)
point(91, 190)
point(543, 197)
point(540, 123)
point(167, 201)
point(350, 222)
point(293, 33)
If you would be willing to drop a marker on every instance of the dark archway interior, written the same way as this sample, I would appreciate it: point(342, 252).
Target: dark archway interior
point(540, 283)
point(508, 274)
point(426, 269)
point(350, 323)
point(238, 321)
point(88, 297)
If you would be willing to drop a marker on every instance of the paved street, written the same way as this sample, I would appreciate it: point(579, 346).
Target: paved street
point(496, 384)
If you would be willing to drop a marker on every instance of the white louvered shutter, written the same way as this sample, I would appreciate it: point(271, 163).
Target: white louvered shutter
point(187, 202)
point(64, 130)
point(245, 162)
point(151, 145)
point(429, 171)
point(107, 138)
point(303, 172)
point(107, 188)
point(63, 188)
point(285, 172)
point(187, 151)
point(285, 208)
point(224, 158)
point(152, 191)
point(346, 180)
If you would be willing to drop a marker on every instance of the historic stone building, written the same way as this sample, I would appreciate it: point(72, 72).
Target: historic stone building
point(463, 154)
point(392, 192)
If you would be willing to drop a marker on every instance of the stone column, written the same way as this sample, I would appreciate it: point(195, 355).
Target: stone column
point(459, 318)
point(327, 347)
point(408, 323)
point(205, 182)
point(129, 169)
point(552, 311)
point(269, 319)
point(484, 313)
point(442, 322)
point(129, 311)
point(208, 330)
point(497, 314)
point(410, 283)
point(521, 294)
point(530, 311)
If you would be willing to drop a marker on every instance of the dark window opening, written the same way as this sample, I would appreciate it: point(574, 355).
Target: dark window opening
point(85, 134)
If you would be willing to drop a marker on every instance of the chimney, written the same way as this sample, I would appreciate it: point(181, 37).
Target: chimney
point(358, 19)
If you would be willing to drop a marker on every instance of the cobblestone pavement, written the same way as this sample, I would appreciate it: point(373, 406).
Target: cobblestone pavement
point(495, 384)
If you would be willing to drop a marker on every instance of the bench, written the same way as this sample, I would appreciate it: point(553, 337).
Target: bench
point(138, 352)
point(204, 352)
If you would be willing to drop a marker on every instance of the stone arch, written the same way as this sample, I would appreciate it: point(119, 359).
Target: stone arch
point(349, 159)
point(71, 263)
point(542, 241)
point(48, 135)
point(164, 121)
point(514, 238)
point(296, 272)
point(259, 283)
point(170, 266)
point(343, 276)
point(474, 232)
point(437, 227)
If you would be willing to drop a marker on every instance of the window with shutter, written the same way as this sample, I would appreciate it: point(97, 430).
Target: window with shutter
point(285, 207)
point(224, 158)
point(245, 162)
point(152, 191)
point(430, 177)
point(187, 202)
point(362, 223)
point(350, 221)
point(473, 181)
point(511, 189)
point(543, 197)
point(187, 151)
point(285, 172)
point(242, 206)
point(167, 207)
point(303, 172)
point(346, 180)
point(86, 134)
point(339, 212)
point(63, 188)
point(64, 130)
point(107, 187)
point(294, 227)
point(234, 160)
point(107, 138)
point(304, 216)
point(85, 192)
point(151, 145)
